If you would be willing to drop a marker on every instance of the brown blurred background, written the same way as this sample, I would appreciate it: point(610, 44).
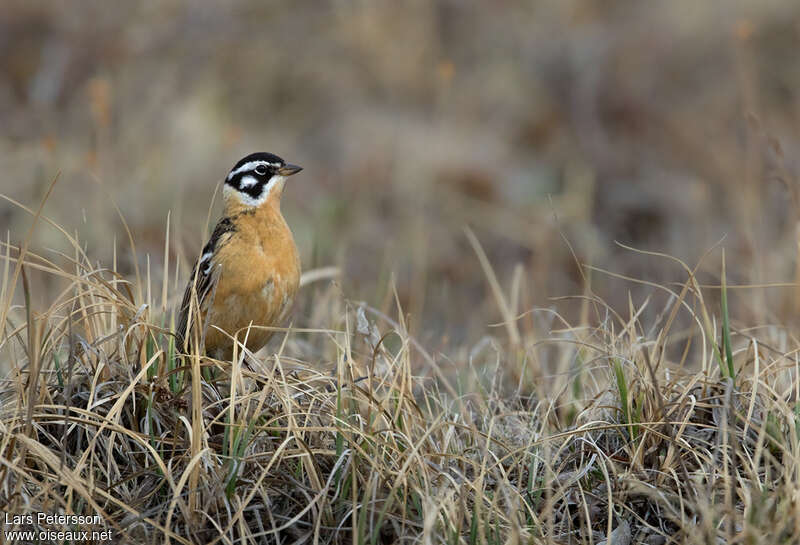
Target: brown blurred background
point(666, 126)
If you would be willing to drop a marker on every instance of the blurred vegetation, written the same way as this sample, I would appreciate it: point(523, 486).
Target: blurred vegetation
point(500, 183)
point(662, 126)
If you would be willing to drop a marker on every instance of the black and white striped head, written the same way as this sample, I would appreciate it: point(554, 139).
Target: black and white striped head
point(254, 178)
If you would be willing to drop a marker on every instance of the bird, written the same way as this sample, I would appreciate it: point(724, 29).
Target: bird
point(248, 272)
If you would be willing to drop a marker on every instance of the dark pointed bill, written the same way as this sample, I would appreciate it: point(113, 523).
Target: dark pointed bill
point(288, 169)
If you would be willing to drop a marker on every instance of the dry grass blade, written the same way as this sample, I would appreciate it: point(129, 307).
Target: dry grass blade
point(505, 310)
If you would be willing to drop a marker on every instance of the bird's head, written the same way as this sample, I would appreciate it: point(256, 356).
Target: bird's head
point(256, 180)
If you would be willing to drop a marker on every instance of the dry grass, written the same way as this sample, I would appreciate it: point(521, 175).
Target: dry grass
point(527, 379)
point(347, 431)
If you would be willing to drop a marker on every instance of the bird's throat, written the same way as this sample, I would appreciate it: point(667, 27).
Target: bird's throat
point(237, 202)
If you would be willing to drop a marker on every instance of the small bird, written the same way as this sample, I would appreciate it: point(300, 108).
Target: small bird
point(249, 270)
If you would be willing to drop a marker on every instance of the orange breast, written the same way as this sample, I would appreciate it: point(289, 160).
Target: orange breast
point(260, 273)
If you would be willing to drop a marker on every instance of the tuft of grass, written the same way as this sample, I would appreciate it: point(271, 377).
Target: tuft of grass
point(337, 434)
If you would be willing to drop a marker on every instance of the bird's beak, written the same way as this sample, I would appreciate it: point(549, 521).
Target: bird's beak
point(288, 170)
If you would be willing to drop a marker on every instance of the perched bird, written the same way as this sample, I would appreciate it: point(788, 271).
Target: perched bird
point(249, 270)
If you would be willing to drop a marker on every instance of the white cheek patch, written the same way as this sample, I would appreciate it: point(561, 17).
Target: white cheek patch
point(229, 192)
point(248, 181)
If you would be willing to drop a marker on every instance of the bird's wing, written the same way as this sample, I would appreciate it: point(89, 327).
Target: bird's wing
point(202, 283)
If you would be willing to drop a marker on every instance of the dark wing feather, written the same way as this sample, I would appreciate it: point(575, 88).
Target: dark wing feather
point(201, 282)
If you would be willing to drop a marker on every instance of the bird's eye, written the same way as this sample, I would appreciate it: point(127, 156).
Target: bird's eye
point(261, 170)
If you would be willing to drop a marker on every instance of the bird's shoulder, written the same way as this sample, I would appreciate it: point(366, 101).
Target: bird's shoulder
point(204, 275)
point(224, 231)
